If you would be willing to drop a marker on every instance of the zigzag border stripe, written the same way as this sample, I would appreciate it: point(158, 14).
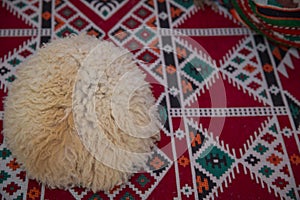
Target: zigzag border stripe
point(239, 86)
point(9, 6)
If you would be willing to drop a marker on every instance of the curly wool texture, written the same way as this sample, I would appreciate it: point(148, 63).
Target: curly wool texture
point(47, 123)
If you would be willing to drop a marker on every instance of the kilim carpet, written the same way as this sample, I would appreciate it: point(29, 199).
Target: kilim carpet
point(230, 98)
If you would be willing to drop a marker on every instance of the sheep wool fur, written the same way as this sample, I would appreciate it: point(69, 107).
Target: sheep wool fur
point(79, 114)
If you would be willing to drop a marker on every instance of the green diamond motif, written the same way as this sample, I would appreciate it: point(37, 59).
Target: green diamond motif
point(79, 23)
point(215, 161)
point(291, 194)
point(242, 77)
point(198, 69)
point(266, 171)
point(273, 128)
point(14, 62)
point(33, 46)
point(3, 176)
point(105, 13)
point(95, 197)
point(249, 44)
point(143, 180)
point(294, 110)
point(145, 34)
point(67, 12)
point(127, 196)
point(20, 5)
point(263, 94)
point(36, 18)
point(238, 60)
point(185, 3)
point(261, 149)
point(64, 32)
point(5, 153)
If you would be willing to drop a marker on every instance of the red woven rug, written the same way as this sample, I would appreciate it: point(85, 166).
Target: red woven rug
point(230, 98)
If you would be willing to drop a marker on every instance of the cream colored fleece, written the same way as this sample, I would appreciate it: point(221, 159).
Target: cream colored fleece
point(76, 116)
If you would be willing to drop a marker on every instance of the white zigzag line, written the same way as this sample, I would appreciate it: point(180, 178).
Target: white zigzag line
point(226, 182)
point(226, 179)
point(76, 195)
point(67, 23)
point(226, 59)
point(258, 179)
point(150, 190)
point(18, 49)
point(10, 7)
point(210, 135)
point(231, 51)
point(292, 97)
point(199, 127)
point(294, 52)
point(204, 55)
point(222, 11)
point(295, 101)
point(208, 82)
point(19, 14)
point(287, 62)
point(225, 147)
point(185, 16)
point(234, 169)
point(205, 85)
point(150, 70)
point(239, 86)
point(270, 187)
point(253, 175)
point(143, 196)
point(250, 141)
point(15, 52)
point(197, 53)
point(115, 191)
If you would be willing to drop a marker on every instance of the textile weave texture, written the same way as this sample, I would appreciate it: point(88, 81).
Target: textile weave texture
point(277, 20)
point(230, 98)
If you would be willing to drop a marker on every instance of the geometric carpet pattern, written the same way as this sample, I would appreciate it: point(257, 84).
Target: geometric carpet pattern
point(228, 96)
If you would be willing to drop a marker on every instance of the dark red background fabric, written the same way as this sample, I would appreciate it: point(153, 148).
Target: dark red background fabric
point(230, 97)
